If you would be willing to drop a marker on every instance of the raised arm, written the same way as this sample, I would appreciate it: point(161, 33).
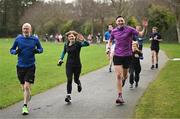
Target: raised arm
point(84, 43)
point(141, 33)
point(145, 24)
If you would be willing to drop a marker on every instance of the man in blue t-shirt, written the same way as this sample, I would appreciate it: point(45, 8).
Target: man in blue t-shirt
point(26, 46)
point(107, 36)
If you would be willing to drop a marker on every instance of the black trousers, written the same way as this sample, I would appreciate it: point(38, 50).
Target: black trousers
point(72, 71)
point(134, 72)
point(140, 47)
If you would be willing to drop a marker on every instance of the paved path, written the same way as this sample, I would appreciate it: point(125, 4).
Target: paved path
point(96, 101)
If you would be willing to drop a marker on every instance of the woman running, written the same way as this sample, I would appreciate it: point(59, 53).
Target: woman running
point(73, 63)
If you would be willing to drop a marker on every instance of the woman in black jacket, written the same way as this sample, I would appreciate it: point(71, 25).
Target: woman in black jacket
point(73, 64)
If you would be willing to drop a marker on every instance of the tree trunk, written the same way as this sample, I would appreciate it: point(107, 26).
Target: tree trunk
point(92, 28)
point(102, 32)
point(178, 31)
point(4, 19)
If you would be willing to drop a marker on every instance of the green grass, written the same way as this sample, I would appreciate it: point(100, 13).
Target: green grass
point(48, 74)
point(162, 98)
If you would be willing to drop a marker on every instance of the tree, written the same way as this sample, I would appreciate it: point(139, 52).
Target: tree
point(132, 21)
point(122, 7)
point(163, 18)
point(87, 10)
point(175, 7)
point(10, 14)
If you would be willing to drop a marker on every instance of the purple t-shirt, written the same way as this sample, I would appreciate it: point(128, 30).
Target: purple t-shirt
point(123, 40)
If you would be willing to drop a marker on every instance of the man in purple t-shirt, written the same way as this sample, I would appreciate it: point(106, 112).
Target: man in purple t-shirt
point(123, 36)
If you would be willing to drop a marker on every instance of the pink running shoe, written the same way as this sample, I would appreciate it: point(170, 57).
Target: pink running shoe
point(120, 100)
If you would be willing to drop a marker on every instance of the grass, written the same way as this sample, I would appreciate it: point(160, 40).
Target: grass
point(162, 98)
point(48, 74)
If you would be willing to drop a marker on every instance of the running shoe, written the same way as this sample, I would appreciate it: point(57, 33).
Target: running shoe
point(119, 100)
point(68, 98)
point(25, 110)
point(110, 69)
point(152, 67)
point(136, 85)
point(79, 87)
point(131, 85)
point(156, 66)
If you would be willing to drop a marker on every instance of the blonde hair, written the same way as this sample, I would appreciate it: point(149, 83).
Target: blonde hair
point(135, 45)
point(72, 32)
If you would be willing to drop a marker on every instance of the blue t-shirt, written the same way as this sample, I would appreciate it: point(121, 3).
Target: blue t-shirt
point(107, 35)
point(26, 56)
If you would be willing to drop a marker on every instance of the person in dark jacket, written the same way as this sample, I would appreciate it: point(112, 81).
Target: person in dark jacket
point(135, 66)
point(73, 64)
point(155, 38)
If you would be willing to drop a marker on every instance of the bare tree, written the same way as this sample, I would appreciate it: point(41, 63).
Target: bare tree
point(122, 7)
point(87, 10)
point(175, 7)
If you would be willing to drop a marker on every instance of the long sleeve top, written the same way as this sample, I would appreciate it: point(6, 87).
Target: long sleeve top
point(26, 46)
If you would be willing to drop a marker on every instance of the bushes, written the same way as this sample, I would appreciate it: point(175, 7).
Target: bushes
point(164, 19)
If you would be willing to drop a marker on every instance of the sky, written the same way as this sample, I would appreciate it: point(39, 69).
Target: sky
point(67, 1)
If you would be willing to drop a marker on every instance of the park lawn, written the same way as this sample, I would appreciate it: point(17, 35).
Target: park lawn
point(48, 74)
point(162, 98)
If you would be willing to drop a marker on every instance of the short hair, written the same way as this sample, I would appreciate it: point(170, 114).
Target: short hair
point(119, 17)
point(26, 24)
point(109, 25)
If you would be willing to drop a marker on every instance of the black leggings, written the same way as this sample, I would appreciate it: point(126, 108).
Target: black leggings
point(134, 69)
point(70, 71)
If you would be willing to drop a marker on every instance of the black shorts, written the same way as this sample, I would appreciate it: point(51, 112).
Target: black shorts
point(124, 61)
point(26, 74)
point(156, 49)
